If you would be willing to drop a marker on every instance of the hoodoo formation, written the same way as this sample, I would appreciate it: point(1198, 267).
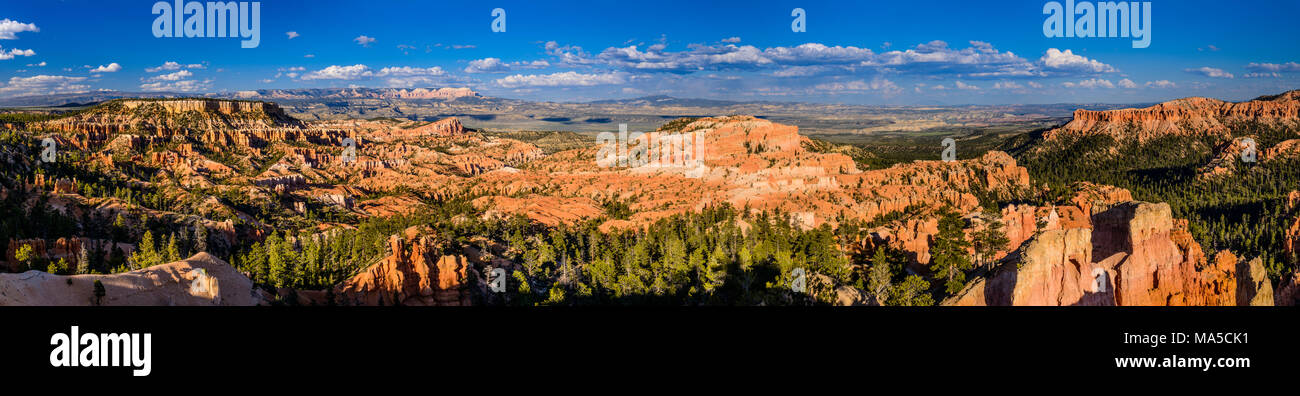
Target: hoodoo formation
point(238, 172)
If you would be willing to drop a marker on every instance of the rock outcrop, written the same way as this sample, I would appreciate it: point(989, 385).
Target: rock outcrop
point(1133, 253)
point(1253, 286)
point(415, 273)
point(1183, 117)
point(202, 280)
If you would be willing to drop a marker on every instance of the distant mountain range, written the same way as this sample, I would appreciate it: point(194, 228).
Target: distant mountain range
point(664, 100)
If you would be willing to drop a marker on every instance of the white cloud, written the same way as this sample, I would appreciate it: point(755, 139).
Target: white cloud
point(1034, 84)
point(1274, 67)
point(979, 60)
point(364, 40)
point(401, 76)
point(176, 76)
point(962, 85)
point(487, 65)
point(731, 40)
point(169, 66)
point(1090, 83)
point(1057, 60)
point(406, 71)
point(110, 68)
point(562, 79)
point(292, 35)
point(1262, 75)
point(495, 65)
point(1210, 72)
point(178, 86)
point(878, 84)
point(9, 29)
point(336, 72)
point(1161, 84)
point(42, 64)
point(699, 57)
point(13, 52)
point(1127, 83)
point(815, 53)
point(1007, 85)
point(43, 84)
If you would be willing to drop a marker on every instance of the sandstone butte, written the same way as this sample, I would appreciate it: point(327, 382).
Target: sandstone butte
point(1125, 253)
point(744, 161)
point(1183, 117)
point(1288, 291)
point(415, 273)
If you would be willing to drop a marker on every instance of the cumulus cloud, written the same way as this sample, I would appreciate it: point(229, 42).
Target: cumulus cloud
point(175, 76)
point(802, 71)
point(1127, 83)
point(9, 29)
point(562, 79)
point(487, 65)
point(1090, 83)
point(336, 72)
point(962, 85)
point(1274, 67)
point(13, 52)
point(980, 60)
point(1007, 85)
point(698, 57)
point(110, 68)
point(731, 40)
point(1067, 61)
point(291, 34)
point(1210, 72)
point(568, 55)
point(170, 66)
point(495, 65)
point(176, 86)
point(42, 84)
point(817, 54)
point(399, 76)
point(364, 40)
point(1262, 75)
point(1161, 84)
point(881, 85)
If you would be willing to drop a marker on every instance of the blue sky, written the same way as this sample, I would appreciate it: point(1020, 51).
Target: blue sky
point(869, 52)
